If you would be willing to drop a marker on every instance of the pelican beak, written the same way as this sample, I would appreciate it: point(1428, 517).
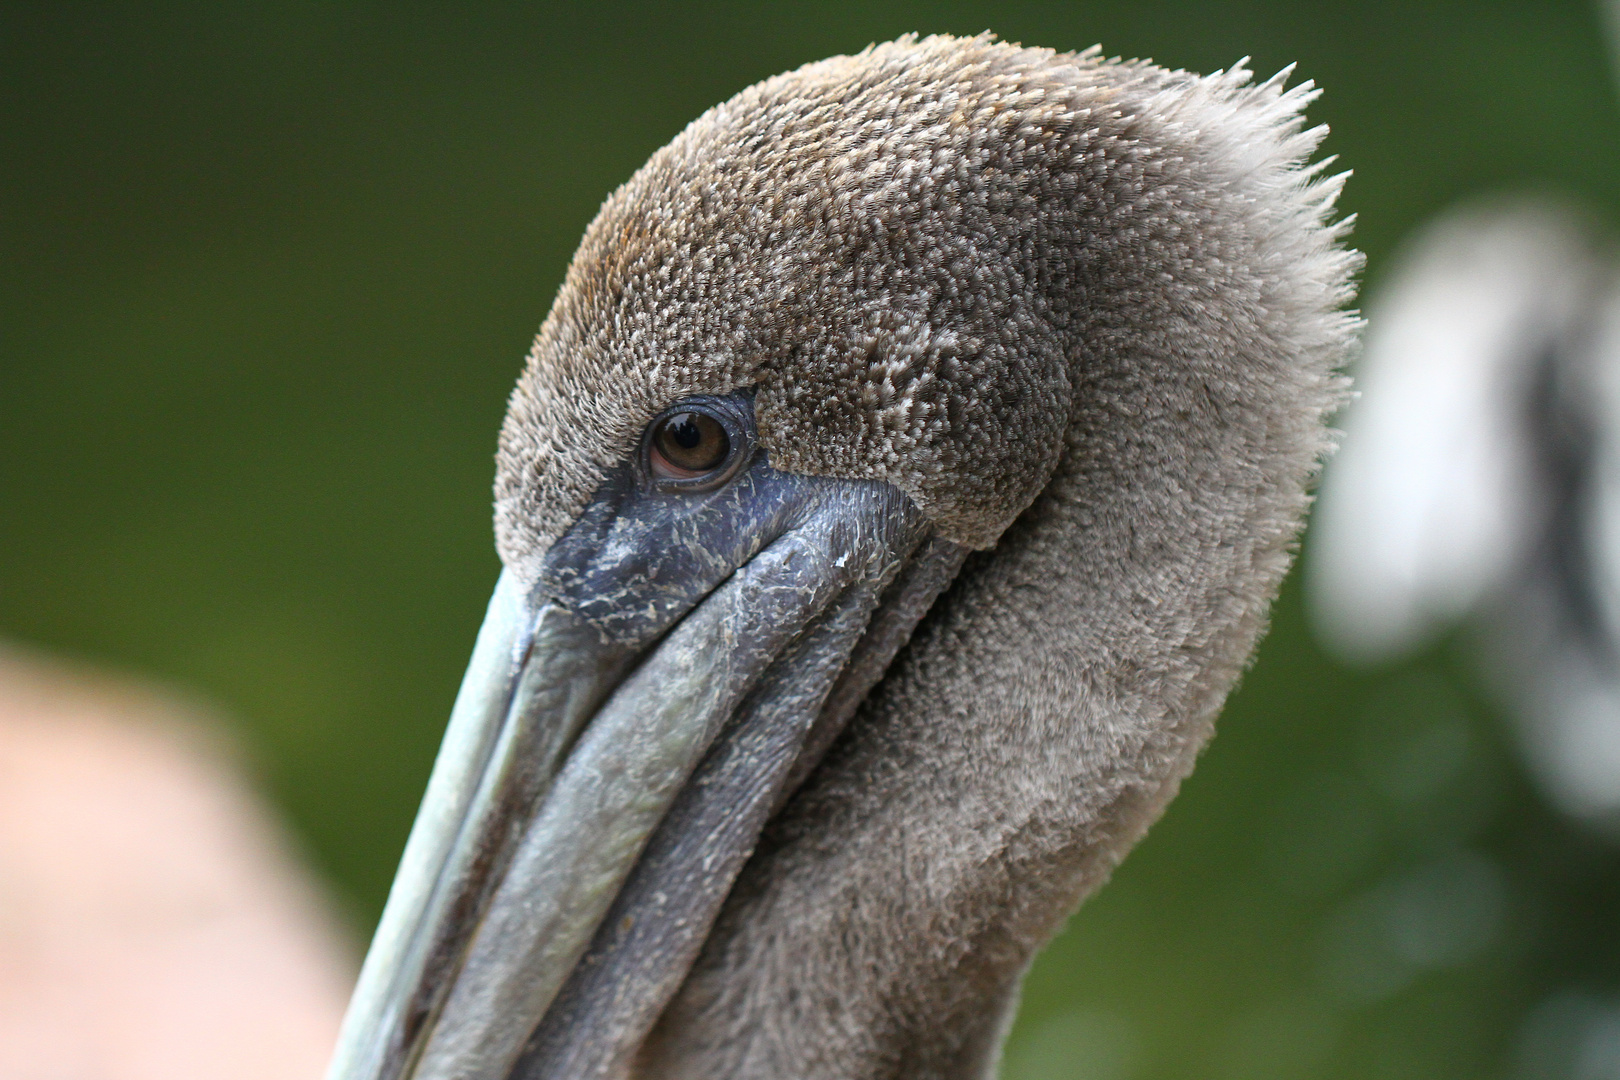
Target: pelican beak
point(629, 721)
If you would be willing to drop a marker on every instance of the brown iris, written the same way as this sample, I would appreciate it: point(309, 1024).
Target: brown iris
point(687, 445)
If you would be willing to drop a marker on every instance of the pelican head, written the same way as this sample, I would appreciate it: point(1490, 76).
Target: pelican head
point(890, 499)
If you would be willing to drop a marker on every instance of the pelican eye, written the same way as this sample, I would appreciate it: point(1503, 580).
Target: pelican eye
point(697, 444)
point(689, 444)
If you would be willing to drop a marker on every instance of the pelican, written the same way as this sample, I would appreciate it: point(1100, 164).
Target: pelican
point(891, 497)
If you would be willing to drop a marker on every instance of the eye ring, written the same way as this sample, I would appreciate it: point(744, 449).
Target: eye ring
point(697, 444)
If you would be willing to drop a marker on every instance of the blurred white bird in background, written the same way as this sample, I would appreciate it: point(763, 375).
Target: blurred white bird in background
point(1479, 484)
point(1480, 474)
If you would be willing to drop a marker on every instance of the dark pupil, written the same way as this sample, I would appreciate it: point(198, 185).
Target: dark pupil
point(693, 442)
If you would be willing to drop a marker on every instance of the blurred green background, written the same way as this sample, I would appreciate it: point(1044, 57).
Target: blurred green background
point(267, 272)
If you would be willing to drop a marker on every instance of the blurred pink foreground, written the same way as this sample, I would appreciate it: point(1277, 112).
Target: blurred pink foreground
point(153, 924)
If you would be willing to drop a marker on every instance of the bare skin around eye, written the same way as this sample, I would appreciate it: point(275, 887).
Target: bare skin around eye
point(154, 924)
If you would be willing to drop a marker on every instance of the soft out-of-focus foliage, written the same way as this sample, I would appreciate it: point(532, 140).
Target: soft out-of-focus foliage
point(267, 272)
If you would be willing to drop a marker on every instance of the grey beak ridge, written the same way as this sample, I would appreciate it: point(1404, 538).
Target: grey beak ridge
point(531, 683)
point(595, 796)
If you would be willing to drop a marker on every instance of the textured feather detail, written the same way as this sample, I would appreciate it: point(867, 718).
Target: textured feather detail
point(901, 250)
